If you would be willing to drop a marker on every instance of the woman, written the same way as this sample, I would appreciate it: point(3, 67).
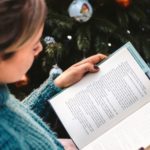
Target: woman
point(21, 26)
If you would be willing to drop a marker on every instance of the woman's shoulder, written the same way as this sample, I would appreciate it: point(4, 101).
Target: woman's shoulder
point(5, 130)
point(8, 137)
point(6, 117)
point(8, 114)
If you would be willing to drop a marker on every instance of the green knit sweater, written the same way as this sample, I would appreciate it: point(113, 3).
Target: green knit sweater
point(20, 126)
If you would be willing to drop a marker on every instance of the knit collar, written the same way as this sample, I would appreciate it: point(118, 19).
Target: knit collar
point(4, 93)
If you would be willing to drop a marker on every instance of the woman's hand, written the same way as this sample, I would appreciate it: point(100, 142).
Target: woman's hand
point(75, 73)
point(68, 144)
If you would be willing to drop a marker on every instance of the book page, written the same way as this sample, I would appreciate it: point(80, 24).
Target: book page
point(101, 100)
point(130, 134)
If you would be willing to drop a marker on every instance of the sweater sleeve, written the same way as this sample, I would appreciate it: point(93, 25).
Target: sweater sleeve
point(37, 100)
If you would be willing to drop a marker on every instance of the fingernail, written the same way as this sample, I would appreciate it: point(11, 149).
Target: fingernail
point(96, 67)
point(141, 148)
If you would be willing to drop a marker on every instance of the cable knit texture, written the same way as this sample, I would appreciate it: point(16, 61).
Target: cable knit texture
point(20, 126)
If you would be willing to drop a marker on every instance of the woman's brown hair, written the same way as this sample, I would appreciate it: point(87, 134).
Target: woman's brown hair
point(19, 20)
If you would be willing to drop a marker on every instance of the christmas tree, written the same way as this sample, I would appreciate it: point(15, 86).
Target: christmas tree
point(80, 28)
point(70, 36)
point(113, 23)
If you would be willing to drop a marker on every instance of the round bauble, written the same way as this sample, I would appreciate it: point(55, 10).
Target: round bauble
point(123, 3)
point(80, 10)
point(55, 72)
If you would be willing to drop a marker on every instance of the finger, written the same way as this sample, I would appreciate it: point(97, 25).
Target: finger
point(95, 58)
point(68, 144)
point(92, 59)
point(87, 67)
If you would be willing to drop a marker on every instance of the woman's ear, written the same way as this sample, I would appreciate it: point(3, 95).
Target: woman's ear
point(38, 49)
point(0, 56)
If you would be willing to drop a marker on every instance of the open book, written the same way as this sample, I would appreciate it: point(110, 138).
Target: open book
point(109, 110)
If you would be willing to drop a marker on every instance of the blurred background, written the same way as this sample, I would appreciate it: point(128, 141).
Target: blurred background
point(77, 29)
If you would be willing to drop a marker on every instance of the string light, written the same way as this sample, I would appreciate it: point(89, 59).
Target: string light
point(69, 37)
point(109, 44)
point(128, 31)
